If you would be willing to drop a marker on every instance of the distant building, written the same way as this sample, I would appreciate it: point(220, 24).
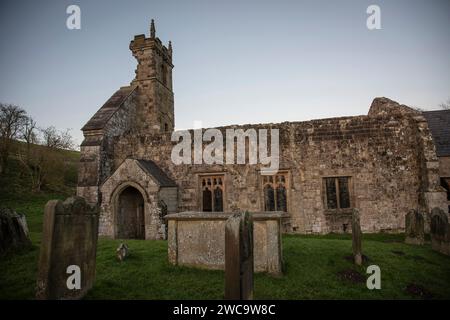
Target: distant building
point(439, 124)
point(384, 163)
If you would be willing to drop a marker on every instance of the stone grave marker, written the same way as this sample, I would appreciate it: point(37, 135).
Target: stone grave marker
point(414, 228)
point(239, 257)
point(68, 249)
point(356, 237)
point(440, 231)
point(13, 231)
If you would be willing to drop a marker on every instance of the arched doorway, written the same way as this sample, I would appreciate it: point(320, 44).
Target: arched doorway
point(130, 214)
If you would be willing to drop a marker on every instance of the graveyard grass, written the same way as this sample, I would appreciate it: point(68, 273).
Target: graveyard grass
point(312, 267)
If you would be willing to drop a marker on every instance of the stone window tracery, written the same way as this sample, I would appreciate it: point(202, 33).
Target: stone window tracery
point(212, 188)
point(275, 192)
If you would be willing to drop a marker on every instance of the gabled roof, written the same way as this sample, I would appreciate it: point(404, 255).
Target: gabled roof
point(159, 175)
point(101, 117)
point(439, 124)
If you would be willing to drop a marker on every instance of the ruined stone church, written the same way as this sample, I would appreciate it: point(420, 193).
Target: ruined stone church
point(384, 163)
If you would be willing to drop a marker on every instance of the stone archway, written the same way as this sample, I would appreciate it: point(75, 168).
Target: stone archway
point(132, 200)
point(130, 220)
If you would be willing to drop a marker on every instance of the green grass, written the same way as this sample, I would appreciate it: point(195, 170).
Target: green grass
point(311, 267)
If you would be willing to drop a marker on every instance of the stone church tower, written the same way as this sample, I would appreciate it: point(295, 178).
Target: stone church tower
point(154, 82)
point(144, 108)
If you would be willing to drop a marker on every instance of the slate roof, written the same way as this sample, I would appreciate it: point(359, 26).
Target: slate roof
point(161, 177)
point(439, 124)
point(101, 117)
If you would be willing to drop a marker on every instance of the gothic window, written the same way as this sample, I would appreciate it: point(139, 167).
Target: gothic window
point(281, 198)
point(269, 198)
point(212, 193)
point(337, 192)
point(207, 200)
point(218, 199)
point(330, 185)
point(275, 192)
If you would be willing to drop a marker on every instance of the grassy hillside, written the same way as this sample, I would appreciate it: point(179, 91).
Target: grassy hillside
point(61, 179)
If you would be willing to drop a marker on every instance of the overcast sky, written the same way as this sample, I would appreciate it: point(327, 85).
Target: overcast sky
point(235, 62)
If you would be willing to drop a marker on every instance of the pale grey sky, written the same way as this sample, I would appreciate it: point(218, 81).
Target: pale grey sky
point(235, 61)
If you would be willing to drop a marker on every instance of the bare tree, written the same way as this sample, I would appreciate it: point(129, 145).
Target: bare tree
point(445, 105)
point(12, 119)
point(42, 158)
point(29, 134)
point(53, 138)
point(29, 156)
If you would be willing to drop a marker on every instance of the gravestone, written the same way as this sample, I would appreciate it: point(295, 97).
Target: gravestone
point(239, 257)
point(13, 231)
point(414, 228)
point(440, 231)
point(68, 249)
point(356, 237)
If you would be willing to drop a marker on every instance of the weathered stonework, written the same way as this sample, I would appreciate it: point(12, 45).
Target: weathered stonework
point(133, 174)
point(69, 240)
point(198, 239)
point(381, 154)
point(13, 231)
point(414, 231)
point(440, 231)
point(388, 157)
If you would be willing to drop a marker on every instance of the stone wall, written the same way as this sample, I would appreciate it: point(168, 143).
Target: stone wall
point(444, 166)
point(388, 155)
point(97, 149)
point(169, 196)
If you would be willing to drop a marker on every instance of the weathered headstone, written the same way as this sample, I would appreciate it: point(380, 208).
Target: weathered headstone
point(13, 231)
point(414, 228)
point(440, 231)
point(68, 249)
point(197, 239)
point(356, 237)
point(239, 257)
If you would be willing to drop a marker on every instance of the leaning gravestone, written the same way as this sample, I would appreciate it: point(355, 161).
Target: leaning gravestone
point(239, 257)
point(356, 237)
point(440, 231)
point(68, 249)
point(13, 231)
point(414, 228)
